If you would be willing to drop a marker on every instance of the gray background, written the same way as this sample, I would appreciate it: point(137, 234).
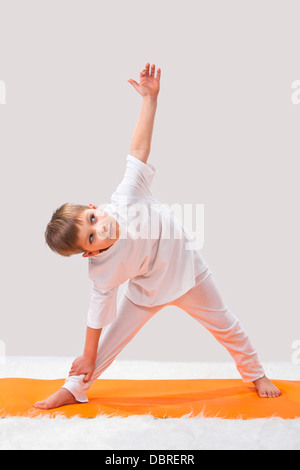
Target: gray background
point(226, 135)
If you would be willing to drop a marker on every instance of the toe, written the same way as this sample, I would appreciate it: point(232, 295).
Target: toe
point(275, 392)
point(39, 404)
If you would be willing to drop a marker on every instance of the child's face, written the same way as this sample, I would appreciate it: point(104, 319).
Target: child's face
point(98, 231)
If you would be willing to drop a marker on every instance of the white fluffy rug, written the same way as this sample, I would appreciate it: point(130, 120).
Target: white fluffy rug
point(145, 432)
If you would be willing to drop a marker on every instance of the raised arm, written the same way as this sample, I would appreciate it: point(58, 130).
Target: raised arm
point(148, 88)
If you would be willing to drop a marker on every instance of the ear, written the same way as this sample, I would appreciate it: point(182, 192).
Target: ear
point(87, 254)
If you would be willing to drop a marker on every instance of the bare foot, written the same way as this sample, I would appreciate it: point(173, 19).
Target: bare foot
point(59, 398)
point(266, 389)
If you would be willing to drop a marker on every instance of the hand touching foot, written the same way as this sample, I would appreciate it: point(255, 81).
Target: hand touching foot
point(266, 389)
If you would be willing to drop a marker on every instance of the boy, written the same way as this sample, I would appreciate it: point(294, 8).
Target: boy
point(160, 270)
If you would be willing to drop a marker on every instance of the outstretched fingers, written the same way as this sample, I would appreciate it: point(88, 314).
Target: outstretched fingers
point(150, 71)
point(145, 71)
point(158, 73)
point(149, 84)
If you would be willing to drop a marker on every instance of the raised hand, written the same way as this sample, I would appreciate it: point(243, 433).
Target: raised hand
point(149, 84)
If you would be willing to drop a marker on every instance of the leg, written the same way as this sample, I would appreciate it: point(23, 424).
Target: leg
point(204, 303)
point(114, 337)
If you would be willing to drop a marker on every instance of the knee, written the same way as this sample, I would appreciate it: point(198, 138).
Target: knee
point(223, 320)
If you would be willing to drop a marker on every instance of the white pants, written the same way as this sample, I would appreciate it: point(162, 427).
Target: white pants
point(204, 303)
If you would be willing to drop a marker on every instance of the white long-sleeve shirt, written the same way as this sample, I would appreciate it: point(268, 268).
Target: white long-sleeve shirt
point(153, 250)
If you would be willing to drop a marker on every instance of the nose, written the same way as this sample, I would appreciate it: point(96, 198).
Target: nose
point(102, 228)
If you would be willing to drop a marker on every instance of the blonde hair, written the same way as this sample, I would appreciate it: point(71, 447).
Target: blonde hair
point(62, 231)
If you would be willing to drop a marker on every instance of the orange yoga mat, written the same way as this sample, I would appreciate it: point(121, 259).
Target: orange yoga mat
point(221, 398)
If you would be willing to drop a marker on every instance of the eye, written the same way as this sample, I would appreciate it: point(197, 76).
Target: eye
point(93, 218)
point(91, 238)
